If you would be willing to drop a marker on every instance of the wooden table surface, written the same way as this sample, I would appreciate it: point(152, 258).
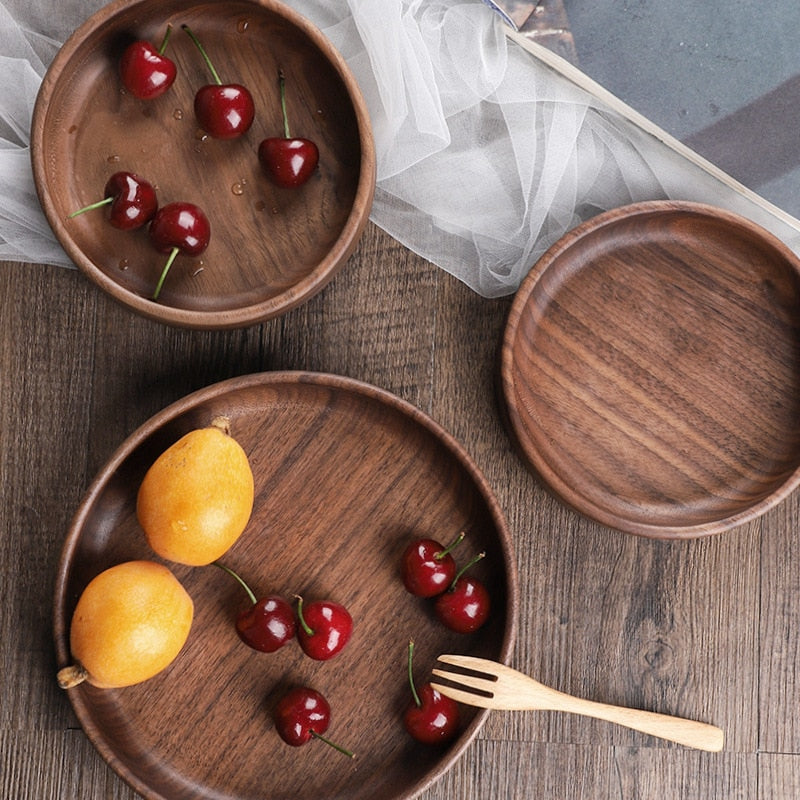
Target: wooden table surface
point(703, 628)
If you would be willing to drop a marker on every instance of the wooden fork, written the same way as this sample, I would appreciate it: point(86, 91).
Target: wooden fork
point(506, 688)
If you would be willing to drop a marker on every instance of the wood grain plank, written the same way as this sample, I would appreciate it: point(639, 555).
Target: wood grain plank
point(373, 322)
point(779, 653)
point(519, 771)
point(687, 774)
point(778, 776)
point(47, 333)
point(56, 765)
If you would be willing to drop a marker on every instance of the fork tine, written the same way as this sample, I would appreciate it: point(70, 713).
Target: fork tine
point(481, 684)
point(468, 698)
point(474, 663)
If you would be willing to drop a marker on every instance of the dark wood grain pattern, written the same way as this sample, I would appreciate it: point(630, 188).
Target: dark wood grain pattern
point(651, 373)
point(270, 248)
point(703, 627)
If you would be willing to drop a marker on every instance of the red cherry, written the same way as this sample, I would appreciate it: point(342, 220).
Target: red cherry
point(146, 72)
point(431, 718)
point(325, 628)
point(224, 111)
point(268, 623)
point(179, 228)
point(427, 567)
point(288, 160)
point(303, 714)
point(132, 200)
point(464, 607)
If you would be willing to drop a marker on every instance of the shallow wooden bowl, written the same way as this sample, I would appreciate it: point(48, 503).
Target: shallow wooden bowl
point(651, 369)
point(345, 475)
point(271, 248)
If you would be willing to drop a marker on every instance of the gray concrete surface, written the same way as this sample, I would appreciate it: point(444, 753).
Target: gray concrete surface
point(722, 75)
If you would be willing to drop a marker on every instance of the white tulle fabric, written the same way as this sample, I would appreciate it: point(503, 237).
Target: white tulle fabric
point(485, 156)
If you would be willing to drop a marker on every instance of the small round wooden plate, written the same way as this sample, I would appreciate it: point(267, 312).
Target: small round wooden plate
point(651, 369)
point(346, 474)
point(271, 248)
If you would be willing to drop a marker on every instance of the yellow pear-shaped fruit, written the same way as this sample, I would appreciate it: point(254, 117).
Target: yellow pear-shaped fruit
point(197, 497)
point(131, 621)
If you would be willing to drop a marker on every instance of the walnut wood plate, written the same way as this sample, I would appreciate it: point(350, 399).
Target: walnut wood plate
point(346, 474)
point(271, 248)
point(651, 369)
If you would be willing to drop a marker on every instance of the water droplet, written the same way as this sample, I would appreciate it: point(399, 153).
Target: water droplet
point(197, 271)
point(275, 210)
point(113, 159)
point(320, 111)
point(237, 188)
point(242, 25)
point(123, 264)
point(260, 205)
point(178, 113)
point(72, 128)
point(200, 135)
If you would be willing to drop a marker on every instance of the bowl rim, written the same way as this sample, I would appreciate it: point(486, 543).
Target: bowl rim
point(60, 621)
point(552, 479)
point(246, 315)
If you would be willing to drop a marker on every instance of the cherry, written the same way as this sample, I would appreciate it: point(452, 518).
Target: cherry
point(288, 161)
point(304, 714)
point(268, 623)
point(427, 567)
point(179, 228)
point(146, 72)
point(464, 607)
point(431, 718)
point(133, 201)
point(325, 628)
point(224, 111)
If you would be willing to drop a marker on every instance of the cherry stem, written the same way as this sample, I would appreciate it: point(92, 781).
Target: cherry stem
point(282, 84)
point(309, 631)
point(335, 746)
point(104, 202)
point(203, 53)
point(442, 553)
point(411, 674)
point(238, 578)
point(465, 568)
point(163, 45)
point(174, 252)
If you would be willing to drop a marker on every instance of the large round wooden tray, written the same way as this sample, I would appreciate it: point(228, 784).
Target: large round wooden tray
point(346, 475)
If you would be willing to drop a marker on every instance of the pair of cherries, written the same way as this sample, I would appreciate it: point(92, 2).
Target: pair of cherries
point(175, 228)
point(224, 110)
point(322, 627)
point(429, 570)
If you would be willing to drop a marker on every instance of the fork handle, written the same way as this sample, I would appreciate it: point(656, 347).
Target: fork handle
point(688, 732)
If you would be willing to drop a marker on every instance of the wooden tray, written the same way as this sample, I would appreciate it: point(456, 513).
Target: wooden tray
point(271, 248)
point(651, 369)
point(345, 475)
